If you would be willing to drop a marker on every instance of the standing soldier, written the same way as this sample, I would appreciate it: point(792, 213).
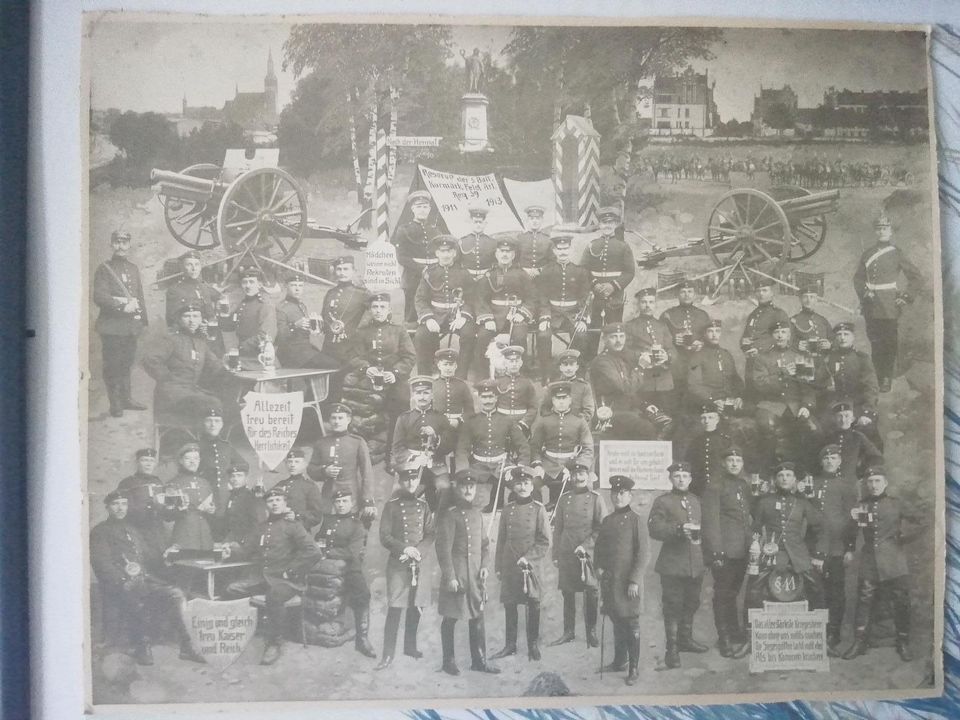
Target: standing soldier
point(881, 300)
point(563, 288)
point(649, 340)
point(810, 330)
point(118, 293)
point(216, 457)
point(505, 299)
point(143, 490)
point(294, 349)
point(558, 438)
point(444, 303)
point(518, 394)
point(477, 248)
point(675, 521)
point(406, 531)
point(582, 402)
point(413, 248)
point(620, 556)
point(687, 325)
point(726, 541)
point(705, 453)
point(463, 551)
point(345, 308)
point(342, 536)
point(451, 394)
point(341, 461)
point(523, 541)
point(189, 502)
point(711, 374)
point(883, 564)
point(854, 380)
point(577, 523)
point(534, 242)
point(190, 287)
point(255, 320)
point(301, 495)
point(612, 267)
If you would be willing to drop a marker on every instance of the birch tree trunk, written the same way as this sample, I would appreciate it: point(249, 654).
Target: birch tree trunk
point(354, 153)
point(370, 185)
point(392, 152)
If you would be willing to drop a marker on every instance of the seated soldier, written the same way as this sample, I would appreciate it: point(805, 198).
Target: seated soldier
point(615, 379)
point(190, 287)
point(559, 437)
point(295, 329)
point(189, 503)
point(254, 320)
point(300, 492)
point(856, 450)
point(711, 375)
point(687, 325)
point(854, 380)
point(505, 300)
point(244, 509)
point(810, 330)
point(581, 394)
point(649, 340)
point(143, 491)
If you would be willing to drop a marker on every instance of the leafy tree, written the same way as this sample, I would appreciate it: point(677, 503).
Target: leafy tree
point(144, 137)
point(780, 117)
point(209, 142)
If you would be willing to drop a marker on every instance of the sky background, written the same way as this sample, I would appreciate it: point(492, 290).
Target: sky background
point(150, 66)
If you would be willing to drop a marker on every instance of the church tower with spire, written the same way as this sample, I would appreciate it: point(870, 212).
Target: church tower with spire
point(270, 91)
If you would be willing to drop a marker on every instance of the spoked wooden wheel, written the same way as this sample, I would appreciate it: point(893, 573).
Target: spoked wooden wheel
point(751, 222)
point(808, 233)
point(263, 216)
point(193, 222)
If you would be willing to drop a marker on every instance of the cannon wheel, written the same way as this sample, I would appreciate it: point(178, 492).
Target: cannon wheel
point(193, 223)
point(748, 221)
point(808, 233)
point(263, 214)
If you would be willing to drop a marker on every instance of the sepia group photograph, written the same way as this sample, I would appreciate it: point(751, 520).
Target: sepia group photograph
point(521, 362)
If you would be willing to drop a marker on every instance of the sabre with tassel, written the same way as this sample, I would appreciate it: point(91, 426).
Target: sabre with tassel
point(496, 498)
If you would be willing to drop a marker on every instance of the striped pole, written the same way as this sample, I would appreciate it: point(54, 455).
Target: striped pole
point(382, 201)
point(588, 180)
point(558, 179)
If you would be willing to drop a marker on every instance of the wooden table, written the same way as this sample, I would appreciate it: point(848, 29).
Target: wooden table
point(209, 568)
point(317, 380)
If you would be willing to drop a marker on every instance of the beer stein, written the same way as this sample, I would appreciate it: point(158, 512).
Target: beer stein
point(223, 307)
point(377, 380)
point(692, 531)
point(267, 356)
point(233, 360)
point(314, 324)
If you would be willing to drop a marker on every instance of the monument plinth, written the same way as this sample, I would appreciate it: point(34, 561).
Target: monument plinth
point(473, 115)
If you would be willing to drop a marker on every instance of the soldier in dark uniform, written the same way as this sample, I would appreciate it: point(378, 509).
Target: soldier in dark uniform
point(384, 354)
point(445, 305)
point(301, 494)
point(809, 329)
point(558, 438)
point(855, 381)
point(726, 541)
point(582, 402)
point(619, 558)
point(883, 564)
point(342, 536)
point(856, 450)
point(180, 361)
point(413, 248)
point(534, 243)
point(118, 292)
point(577, 524)
point(406, 531)
point(523, 541)
point(255, 320)
point(488, 441)
point(130, 572)
point(711, 374)
point(244, 510)
point(463, 551)
point(190, 503)
point(650, 341)
point(283, 553)
point(143, 491)
point(346, 306)
point(191, 288)
point(563, 288)
point(518, 395)
point(881, 298)
point(610, 262)
point(424, 437)
point(705, 451)
point(216, 457)
point(477, 249)
point(294, 349)
point(757, 336)
point(675, 521)
point(616, 379)
point(687, 325)
point(451, 394)
point(341, 461)
point(506, 302)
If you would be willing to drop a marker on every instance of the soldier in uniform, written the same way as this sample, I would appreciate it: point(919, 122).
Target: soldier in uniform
point(883, 564)
point(711, 375)
point(650, 341)
point(451, 394)
point(881, 299)
point(563, 288)
point(190, 503)
point(414, 252)
point(490, 440)
point(118, 292)
point(675, 520)
point(283, 553)
point(341, 461)
point(615, 379)
point(854, 380)
point(577, 524)
point(558, 438)
point(582, 402)
point(534, 242)
point(301, 494)
point(216, 457)
point(294, 349)
point(809, 329)
point(190, 287)
point(505, 299)
point(130, 572)
point(619, 558)
point(477, 249)
point(346, 306)
point(444, 304)
point(342, 536)
point(244, 510)
point(705, 452)
point(856, 449)
point(726, 541)
point(518, 395)
point(424, 436)
point(523, 541)
point(255, 320)
point(610, 262)
point(143, 491)
point(757, 336)
point(687, 325)
point(406, 531)
point(463, 551)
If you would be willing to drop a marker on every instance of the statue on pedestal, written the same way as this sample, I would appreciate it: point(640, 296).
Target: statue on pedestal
point(475, 72)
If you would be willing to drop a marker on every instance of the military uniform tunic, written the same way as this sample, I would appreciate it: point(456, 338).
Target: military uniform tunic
point(854, 380)
point(477, 253)
point(620, 553)
point(882, 557)
point(758, 324)
point(774, 389)
point(610, 260)
point(712, 375)
point(407, 438)
point(294, 349)
point(643, 333)
point(303, 498)
point(441, 291)
point(577, 523)
point(678, 555)
point(143, 512)
point(243, 513)
point(407, 522)
point(524, 533)
point(489, 439)
point(186, 290)
point(878, 272)
point(282, 550)
point(615, 379)
point(463, 548)
point(582, 402)
point(216, 457)
point(501, 289)
point(535, 249)
point(834, 496)
point(351, 453)
point(705, 455)
point(517, 399)
point(345, 308)
point(256, 321)
point(343, 537)
point(386, 346)
point(726, 523)
point(111, 295)
point(790, 516)
point(413, 250)
point(856, 451)
point(191, 527)
point(558, 438)
point(808, 325)
point(453, 397)
point(687, 320)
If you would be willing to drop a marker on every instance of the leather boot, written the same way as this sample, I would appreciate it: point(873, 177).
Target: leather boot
point(671, 656)
point(389, 638)
point(115, 397)
point(272, 652)
point(859, 646)
point(685, 640)
point(903, 647)
point(833, 640)
point(738, 653)
point(619, 662)
point(446, 643)
point(723, 640)
point(361, 617)
point(410, 625)
point(510, 644)
point(478, 648)
point(533, 631)
point(633, 656)
point(569, 619)
point(590, 618)
point(189, 654)
point(128, 402)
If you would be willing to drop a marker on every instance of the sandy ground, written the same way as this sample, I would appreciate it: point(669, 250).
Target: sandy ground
point(672, 213)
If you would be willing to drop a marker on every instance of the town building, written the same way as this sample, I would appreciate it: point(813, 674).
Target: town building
point(771, 110)
point(681, 104)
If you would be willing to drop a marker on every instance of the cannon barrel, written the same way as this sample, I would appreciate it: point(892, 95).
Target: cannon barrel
point(180, 181)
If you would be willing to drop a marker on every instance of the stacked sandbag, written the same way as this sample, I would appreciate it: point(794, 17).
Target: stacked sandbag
point(369, 419)
point(323, 607)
